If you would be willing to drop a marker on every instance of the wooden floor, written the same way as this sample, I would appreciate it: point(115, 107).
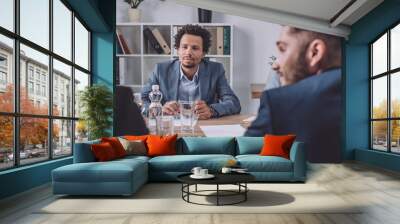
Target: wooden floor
point(377, 188)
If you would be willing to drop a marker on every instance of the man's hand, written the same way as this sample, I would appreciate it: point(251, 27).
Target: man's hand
point(202, 110)
point(171, 108)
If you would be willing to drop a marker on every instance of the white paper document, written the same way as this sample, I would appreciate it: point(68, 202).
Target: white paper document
point(223, 130)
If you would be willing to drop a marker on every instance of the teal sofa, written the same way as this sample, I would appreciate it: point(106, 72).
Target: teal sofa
point(125, 176)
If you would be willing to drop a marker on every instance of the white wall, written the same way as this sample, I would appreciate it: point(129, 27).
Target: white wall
point(159, 12)
point(253, 42)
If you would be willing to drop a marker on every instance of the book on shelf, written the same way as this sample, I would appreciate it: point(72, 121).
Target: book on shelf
point(220, 40)
point(117, 72)
point(122, 43)
point(161, 41)
point(121, 70)
point(175, 30)
point(152, 40)
point(227, 40)
point(119, 48)
point(213, 45)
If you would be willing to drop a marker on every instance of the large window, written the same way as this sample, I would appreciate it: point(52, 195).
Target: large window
point(385, 91)
point(44, 64)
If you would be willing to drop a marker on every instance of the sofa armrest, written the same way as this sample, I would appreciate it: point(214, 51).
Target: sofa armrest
point(298, 157)
point(83, 152)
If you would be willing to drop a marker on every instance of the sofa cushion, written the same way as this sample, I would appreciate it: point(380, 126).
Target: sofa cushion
point(116, 145)
point(207, 145)
point(257, 163)
point(277, 145)
point(133, 157)
point(103, 152)
point(135, 147)
point(136, 137)
point(161, 145)
point(249, 145)
point(185, 163)
point(112, 171)
point(83, 152)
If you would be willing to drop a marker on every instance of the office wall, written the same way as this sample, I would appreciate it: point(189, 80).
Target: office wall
point(357, 84)
point(24, 178)
point(254, 42)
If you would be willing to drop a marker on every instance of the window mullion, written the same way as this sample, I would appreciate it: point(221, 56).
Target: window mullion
point(50, 81)
point(389, 106)
point(73, 82)
point(371, 89)
point(16, 83)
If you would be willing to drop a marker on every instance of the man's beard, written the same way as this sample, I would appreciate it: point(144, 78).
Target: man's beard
point(297, 69)
point(192, 65)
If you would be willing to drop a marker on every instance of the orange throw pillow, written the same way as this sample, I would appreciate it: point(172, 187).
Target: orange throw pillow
point(161, 145)
point(136, 137)
point(277, 145)
point(116, 145)
point(103, 151)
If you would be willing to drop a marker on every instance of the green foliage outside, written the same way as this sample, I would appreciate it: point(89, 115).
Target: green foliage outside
point(379, 128)
point(96, 102)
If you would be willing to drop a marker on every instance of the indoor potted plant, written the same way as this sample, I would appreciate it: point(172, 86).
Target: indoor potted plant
point(96, 104)
point(134, 12)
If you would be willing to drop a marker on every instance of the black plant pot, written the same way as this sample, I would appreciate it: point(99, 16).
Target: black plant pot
point(205, 15)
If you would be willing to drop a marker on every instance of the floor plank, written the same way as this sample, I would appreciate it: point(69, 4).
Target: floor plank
point(376, 189)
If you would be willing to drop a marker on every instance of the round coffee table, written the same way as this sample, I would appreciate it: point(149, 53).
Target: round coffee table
point(238, 179)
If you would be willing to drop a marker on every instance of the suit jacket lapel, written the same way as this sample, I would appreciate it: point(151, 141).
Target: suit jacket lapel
point(204, 80)
point(174, 81)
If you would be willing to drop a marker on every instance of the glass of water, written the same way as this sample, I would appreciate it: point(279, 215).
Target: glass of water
point(167, 125)
point(194, 98)
point(186, 113)
point(195, 117)
point(137, 98)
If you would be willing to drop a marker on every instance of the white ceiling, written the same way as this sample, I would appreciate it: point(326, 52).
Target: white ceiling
point(316, 15)
point(320, 9)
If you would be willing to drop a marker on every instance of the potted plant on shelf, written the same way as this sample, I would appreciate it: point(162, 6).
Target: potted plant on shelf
point(134, 12)
point(96, 104)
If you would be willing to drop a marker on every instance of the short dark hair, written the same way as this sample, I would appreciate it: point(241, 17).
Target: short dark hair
point(194, 30)
point(333, 43)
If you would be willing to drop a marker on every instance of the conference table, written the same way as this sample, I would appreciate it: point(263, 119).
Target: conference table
point(225, 120)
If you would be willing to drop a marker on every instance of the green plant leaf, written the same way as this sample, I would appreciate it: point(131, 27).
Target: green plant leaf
point(96, 104)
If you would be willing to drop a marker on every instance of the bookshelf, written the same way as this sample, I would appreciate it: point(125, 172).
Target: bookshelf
point(136, 60)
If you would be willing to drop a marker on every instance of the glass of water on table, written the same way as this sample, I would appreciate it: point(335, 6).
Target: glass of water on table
point(186, 109)
point(137, 98)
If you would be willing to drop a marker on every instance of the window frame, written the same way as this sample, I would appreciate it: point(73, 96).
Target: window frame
point(3, 70)
point(16, 114)
point(388, 74)
point(3, 77)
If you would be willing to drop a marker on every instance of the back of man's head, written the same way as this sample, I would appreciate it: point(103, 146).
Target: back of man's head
point(333, 55)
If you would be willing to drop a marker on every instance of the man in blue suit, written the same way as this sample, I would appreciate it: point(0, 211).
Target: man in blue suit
point(192, 78)
point(309, 103)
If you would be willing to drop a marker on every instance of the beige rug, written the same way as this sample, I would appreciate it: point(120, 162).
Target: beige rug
point(166, 198)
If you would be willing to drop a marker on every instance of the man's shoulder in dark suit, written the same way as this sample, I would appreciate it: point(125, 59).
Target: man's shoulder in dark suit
point(311, 109)
point(325, 84)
